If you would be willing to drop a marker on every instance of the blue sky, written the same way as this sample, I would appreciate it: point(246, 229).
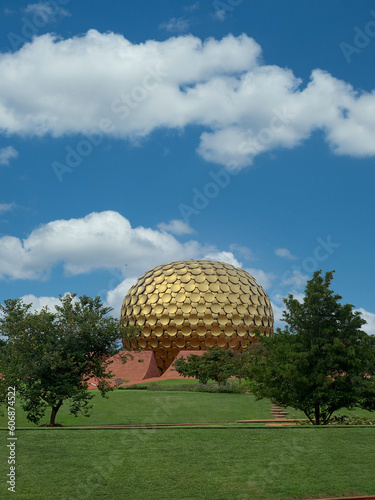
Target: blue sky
point(136, 133)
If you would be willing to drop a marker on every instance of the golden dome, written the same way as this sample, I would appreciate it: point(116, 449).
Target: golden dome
point(195, 304)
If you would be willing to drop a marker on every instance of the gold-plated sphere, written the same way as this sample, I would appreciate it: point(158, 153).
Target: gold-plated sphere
point(195, 304)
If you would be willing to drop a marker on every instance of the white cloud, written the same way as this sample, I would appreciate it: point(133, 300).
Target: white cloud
point(175, 25)
point(220, 15)
point(285, 253)
point(6, 154)
point(264, 279)
point(6, 207)
point(57, 87)
point(176, 226)
point(295, 279)
point(243, 250)
point(277, 314)
point(370, 318)
point(46, 11)
point(116, 296)
point(102, 240)
point(226, 257)
point(40, 302)
point(192, 7)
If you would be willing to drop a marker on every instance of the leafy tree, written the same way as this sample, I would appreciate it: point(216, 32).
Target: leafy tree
point(50, 356)
point(322, 361)
point(216, 364)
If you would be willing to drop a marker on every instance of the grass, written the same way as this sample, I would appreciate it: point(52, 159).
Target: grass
point(140, 407)
point(187, 464)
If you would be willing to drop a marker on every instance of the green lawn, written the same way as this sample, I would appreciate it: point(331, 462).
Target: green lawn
point(140, 407)
point(192, 464)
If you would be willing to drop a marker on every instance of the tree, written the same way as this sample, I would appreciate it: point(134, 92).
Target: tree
point(50, 356)
point(216, 364)
point(322, 361)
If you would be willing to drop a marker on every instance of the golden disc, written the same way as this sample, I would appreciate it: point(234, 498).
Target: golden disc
point(222, 320)
point(216, 330)
point(150, 288)
point(164, 320)
point(195, 343)
point(166, 297)
point(158, 309)
point(180, 297)
point(172, 331)
point(201, 308)
point(158, 331)
point(151, 320)
point(214, 287)
point(215, 308)
point(146, 331)
point(186, 308)
point(208, 319)
point(229, 330)
point(241, 331)
point(172, 309)
point(193, 320)
point(186, 331)
point(236, 320)
point(201, 331)
point(141, 320)
point(154, 298)
point(194, 297)
point(179, 319)
point(190, 287)
point(176, 287)
point(228, 308)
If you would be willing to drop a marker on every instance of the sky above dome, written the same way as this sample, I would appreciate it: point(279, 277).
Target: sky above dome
point(133, 134)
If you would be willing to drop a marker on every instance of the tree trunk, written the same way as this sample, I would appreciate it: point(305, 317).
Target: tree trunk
point(317, 414)
point(54, 411)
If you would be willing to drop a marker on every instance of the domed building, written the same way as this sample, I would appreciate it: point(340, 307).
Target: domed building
point(193, 305)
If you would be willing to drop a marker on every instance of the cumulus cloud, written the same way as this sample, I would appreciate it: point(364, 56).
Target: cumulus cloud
point(263, 278)
point(246, 108)
point(41, 302)
point(220, 15)
point(175, 25)
point(115, 297)
point(102, 240)
point(370, 318)
point(176, 226)
point(285, 253)
point(226, 257)
point(192, 7)
point(46, 11)
point(6, 207)
point(243, 250)
point(7, 154)
point(296, 278)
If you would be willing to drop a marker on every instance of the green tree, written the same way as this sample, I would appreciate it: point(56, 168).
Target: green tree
point(50, 356)
point(321, 361)
point(216, 364)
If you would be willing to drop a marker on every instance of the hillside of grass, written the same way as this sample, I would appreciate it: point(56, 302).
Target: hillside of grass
point(192, 464)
